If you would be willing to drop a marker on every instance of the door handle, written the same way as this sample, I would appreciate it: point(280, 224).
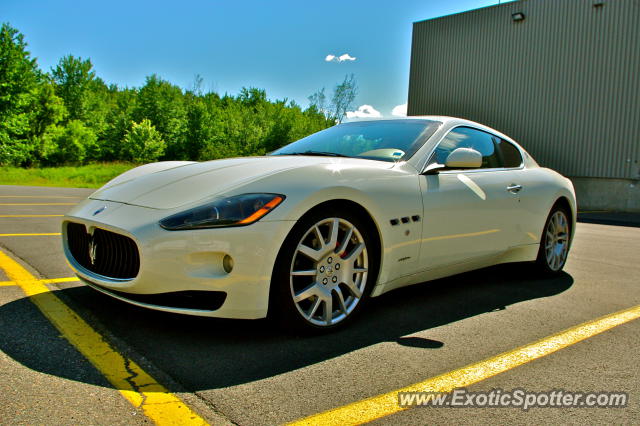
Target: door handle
point(514, 188)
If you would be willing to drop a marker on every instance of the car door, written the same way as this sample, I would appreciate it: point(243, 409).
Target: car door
point(468, 214)
point(526, 187)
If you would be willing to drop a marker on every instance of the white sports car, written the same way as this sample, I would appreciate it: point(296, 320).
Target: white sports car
point(309, 232)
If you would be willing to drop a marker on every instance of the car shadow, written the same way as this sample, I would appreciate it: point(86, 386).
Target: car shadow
point(206, 353)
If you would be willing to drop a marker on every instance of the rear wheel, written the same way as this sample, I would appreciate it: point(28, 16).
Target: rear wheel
point(554, 244)
point(324, 272)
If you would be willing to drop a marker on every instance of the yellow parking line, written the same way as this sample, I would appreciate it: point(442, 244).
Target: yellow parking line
point(38, 204)
point(30, 235)
point(135, 384)
point(36, 196)
point(60, 280)
point(386, 404)
point(47, 281)
point(31, 215)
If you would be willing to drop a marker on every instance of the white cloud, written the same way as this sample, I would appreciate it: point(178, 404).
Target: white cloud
point(346, 57)
point(364, 111)
point(399, 110)
point(341, 58)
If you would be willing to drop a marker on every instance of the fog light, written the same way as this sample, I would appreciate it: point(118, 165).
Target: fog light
point(227, 263)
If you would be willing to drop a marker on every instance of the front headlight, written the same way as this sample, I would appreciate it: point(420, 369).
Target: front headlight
point(233, 211)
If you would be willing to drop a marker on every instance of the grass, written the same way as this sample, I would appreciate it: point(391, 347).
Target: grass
point(90, 176)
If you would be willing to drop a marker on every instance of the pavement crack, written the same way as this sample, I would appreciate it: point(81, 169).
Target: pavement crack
point(30, 268)
point(214, 409)
point(131, 380)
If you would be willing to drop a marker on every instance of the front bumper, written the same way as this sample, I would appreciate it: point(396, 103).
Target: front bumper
point(185, 261)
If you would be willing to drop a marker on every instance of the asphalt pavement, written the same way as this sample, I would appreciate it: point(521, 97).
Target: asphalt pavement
point(250, 373)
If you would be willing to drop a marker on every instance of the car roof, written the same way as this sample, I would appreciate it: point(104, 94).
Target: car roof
point(449, 122)
point(442, 118)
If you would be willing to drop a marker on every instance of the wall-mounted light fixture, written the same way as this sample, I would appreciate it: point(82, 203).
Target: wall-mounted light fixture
point(517, 17)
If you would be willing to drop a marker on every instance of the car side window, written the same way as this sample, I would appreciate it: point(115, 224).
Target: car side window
point(511, 156)
point(466, 137)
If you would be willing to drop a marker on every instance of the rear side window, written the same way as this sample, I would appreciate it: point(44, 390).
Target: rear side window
point(466, 137)
point(510, 154)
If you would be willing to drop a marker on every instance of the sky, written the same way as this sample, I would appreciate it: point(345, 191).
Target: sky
point(289, 48)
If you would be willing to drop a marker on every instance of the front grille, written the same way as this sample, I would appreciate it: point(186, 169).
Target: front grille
point(105, 253)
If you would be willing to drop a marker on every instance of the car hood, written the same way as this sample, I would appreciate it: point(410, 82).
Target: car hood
point(188, 183)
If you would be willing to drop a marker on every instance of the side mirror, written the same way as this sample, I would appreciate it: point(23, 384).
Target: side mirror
point(461, 158)
point(464, 158)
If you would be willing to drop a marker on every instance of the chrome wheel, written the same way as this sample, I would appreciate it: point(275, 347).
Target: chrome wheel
point(557, 240)
point(328, 271)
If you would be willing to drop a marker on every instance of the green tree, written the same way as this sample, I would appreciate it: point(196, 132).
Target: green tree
point(86, 97)
point(198, 128)
point(122, 104)
point(69, 144)
point(318, 101)
point(98, 103)
point(48, 109)
point(162, 103)
point(253, 98)
point(72, 116)
point(285, 123)
point(343, 96)
point(19, 77)
point(143, 143)
point(48, 112)
point(73, 78)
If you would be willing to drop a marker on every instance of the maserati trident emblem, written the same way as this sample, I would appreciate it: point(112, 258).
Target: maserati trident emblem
point(93, 247)
point(100, 210)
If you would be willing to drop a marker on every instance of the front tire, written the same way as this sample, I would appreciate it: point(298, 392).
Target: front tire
point(554, 244)
point(324, 272)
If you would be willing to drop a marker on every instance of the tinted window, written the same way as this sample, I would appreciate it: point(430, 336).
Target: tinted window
point(510, 154)
point(387, 140)
point(466, 137)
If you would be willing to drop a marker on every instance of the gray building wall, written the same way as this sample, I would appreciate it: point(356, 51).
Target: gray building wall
point(564, 82)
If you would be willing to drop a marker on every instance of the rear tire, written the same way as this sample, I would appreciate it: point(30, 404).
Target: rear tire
point(554, 243)
point(324, 272)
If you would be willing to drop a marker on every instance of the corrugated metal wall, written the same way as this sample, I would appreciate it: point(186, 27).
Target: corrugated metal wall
point(564, 82)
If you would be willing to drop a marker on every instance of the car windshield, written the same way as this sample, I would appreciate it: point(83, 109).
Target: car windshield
point(385, 140)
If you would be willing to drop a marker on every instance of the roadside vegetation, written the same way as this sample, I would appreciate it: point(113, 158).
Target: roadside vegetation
point(88, 176)
point(68, 116)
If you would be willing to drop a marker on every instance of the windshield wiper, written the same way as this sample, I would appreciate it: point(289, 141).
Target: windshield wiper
point(317, 153)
